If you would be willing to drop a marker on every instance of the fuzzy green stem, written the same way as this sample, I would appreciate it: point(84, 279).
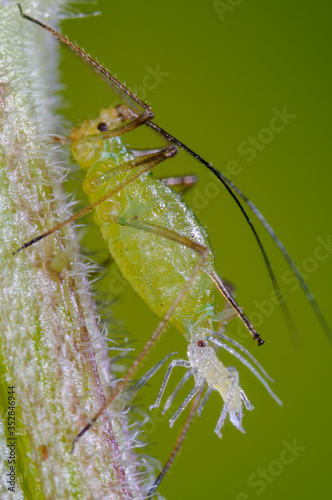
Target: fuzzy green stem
point(51, 350)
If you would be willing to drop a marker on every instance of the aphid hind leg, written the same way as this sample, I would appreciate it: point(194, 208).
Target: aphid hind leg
point(225, 411)
point(166, 233)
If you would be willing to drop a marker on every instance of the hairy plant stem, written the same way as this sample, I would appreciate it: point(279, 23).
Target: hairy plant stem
point(51, 349)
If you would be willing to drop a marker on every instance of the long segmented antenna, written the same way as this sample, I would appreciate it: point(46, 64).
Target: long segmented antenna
point(286, 256)
point(247, 364)
point(243, 349)
point(230, 187)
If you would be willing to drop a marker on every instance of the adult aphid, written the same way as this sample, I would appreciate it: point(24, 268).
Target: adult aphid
point(163, 251)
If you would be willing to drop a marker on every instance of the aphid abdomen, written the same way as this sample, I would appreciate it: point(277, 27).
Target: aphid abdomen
point(155, 266)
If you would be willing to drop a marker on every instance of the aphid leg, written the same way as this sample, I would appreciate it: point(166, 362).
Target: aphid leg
point(138, 153)
point(177, 389)
point(191, 394)
point(181, 183)
point(180, 439)
point(208, 393)
point(245, 399)
point(173, 364)
point(160, 231)
point(146, 377)
point(142, 164)
point(230, 299)
point(225, 411)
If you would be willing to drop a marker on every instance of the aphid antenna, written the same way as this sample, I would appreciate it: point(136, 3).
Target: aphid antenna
point(243, 349)
point(229, 186)
point(309, 296)
point(246, 363)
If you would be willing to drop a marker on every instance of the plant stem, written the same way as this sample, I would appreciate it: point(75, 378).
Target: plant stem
point(51, 349)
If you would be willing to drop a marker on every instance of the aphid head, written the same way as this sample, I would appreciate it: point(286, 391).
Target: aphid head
point(86, 148)
point(107, 119)
point(199, 350)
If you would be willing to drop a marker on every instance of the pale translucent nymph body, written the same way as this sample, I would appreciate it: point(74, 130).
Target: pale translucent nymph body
point(155, 266)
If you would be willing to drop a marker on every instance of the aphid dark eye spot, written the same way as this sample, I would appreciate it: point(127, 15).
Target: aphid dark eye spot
point(102, 126)
point(201, 343)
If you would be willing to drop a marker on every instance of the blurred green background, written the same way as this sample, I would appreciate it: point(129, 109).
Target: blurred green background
point(224, 68)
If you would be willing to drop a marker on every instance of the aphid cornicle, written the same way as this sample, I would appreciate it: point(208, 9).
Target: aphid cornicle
point(163, 252)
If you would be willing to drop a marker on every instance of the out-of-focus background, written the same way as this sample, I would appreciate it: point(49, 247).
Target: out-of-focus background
point(218, 76)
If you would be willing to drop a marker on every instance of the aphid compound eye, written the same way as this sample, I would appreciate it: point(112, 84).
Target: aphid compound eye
point(201, 343)
point(102, 126)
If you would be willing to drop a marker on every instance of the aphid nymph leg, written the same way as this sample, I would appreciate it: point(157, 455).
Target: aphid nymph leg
point(177, 389)
point(173, 364)
point(246, 401)
point(146, 377)
point(226, 410)
point(191, 394)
